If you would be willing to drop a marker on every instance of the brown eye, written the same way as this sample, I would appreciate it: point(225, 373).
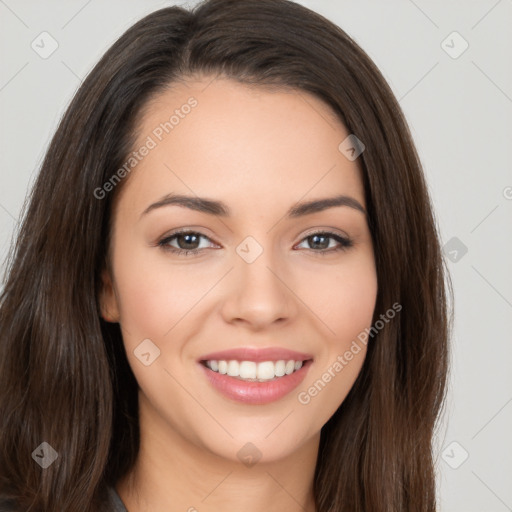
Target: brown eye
point(321, 242)
point(187, 242)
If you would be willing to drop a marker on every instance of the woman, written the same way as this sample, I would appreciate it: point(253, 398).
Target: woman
point(227, 290)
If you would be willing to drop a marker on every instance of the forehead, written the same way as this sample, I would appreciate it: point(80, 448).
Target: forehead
point(251, 144)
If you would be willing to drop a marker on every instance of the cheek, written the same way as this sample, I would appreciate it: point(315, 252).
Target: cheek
point(153, 295)
point(345, 303)
point(343, 297)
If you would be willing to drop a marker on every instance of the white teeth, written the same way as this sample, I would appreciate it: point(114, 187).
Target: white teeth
point(266, 370)
point(233, 368)
point(290, 366)
point(252, 371)
point(248, 370)
point(280, 368)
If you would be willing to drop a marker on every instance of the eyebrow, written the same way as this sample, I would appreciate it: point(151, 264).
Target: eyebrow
point(220, 209)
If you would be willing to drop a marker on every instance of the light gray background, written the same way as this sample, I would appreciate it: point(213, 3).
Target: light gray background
point(459, 110)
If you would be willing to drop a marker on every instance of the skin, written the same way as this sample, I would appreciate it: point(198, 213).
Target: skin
point(260, 152)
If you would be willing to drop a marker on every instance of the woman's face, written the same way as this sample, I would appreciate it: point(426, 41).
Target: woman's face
point(256, 277)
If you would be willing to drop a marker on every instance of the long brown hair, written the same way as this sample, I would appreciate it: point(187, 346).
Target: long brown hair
point(64, 375)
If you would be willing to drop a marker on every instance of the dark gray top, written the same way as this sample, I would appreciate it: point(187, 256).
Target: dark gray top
point(115, 503)
point(6, 505)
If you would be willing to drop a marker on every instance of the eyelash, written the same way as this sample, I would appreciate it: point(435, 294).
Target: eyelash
point(345, 243)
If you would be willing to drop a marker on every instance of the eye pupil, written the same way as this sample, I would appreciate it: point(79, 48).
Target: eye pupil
point(188, 236)
point(322, 246)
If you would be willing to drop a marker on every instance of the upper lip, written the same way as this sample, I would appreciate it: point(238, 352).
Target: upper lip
point(256, 354)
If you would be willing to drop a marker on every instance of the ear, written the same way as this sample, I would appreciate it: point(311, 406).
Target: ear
point(109, 307)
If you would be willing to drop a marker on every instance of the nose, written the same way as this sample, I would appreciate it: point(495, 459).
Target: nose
point(258, 294)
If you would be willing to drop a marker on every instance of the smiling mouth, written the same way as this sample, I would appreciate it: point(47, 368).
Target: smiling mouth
point(255, 383)
point(255, 371)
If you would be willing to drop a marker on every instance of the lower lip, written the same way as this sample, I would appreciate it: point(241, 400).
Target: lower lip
point(256, 393)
